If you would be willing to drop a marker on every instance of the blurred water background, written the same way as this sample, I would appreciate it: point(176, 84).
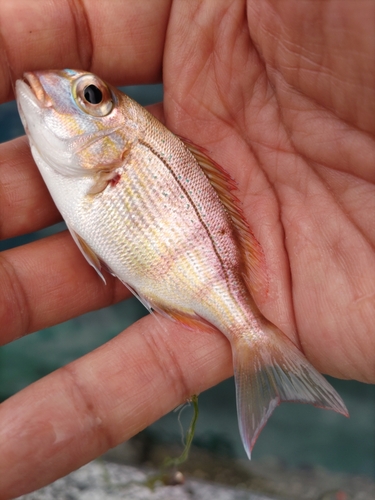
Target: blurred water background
point(298, 435)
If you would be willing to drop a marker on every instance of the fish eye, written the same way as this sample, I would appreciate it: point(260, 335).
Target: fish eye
point(92, 95)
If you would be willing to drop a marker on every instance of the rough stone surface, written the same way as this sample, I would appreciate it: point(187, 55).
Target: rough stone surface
point(101, 480)
point(270, 476)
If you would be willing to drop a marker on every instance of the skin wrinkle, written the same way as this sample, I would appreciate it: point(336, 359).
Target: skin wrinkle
point(313, 105)
point(14, 287)
point(74, 384)
point(250, 142)
point(178, 381)
point(273, 94)
point(365, 199)
point(83, 32)
point(236, 40)
point(9, 80)
point(217, 37)
point(336, 248)
point(226, 105)
point(3, 197)
point(317, 167)
point(331, 109)
point(277, 61)
point(210, 41)
point(316, 67)
point(331, 120)
point(295, 338)
point(353, 352)
point(342, 263)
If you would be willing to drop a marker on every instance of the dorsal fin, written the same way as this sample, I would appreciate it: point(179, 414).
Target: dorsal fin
point(256, 270)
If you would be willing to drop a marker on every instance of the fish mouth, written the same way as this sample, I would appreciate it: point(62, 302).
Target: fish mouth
point(33, 82)
point(31, 100)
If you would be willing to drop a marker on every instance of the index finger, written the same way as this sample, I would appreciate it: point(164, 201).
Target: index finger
point(122, 41)
point(102, 399)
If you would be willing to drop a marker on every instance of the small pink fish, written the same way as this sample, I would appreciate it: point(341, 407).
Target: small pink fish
point(160, 215)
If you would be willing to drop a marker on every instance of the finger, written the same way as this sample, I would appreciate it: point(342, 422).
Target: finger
point(78, 412)
point(157, 110)
point(25, 203)
point(47, 282)
point(121, 41)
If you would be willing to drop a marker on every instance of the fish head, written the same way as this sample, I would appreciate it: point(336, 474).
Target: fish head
point(76, 123)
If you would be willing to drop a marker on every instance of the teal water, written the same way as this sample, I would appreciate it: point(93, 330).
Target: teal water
point(297, 434)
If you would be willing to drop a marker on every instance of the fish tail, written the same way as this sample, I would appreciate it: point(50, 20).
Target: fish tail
point(270, 370)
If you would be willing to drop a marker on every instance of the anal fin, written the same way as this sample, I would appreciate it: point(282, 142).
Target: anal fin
point(190, 321)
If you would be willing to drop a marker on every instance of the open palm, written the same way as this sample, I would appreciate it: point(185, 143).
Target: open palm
point(281, 95)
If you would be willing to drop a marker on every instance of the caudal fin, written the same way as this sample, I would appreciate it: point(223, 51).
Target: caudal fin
point(269, 371)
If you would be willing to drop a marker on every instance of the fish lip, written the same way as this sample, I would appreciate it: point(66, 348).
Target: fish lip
point(25, 97)
point(33, 82)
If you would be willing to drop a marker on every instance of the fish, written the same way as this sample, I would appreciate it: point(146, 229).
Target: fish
point(156, 212)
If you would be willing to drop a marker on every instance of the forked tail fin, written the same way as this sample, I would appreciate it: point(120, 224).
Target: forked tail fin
point(270, 370)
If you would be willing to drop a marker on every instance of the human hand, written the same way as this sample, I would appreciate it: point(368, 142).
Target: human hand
point(269, 97)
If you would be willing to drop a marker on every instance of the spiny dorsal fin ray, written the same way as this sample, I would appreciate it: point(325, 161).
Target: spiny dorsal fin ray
point(256, 271)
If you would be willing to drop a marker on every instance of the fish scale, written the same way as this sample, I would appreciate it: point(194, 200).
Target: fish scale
point(161, 216)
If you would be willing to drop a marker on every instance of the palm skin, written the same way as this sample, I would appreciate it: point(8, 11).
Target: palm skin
point(281, 95)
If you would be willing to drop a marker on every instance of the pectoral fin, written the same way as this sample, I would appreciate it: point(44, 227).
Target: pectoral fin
point(109, 173)
point(87, 252)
